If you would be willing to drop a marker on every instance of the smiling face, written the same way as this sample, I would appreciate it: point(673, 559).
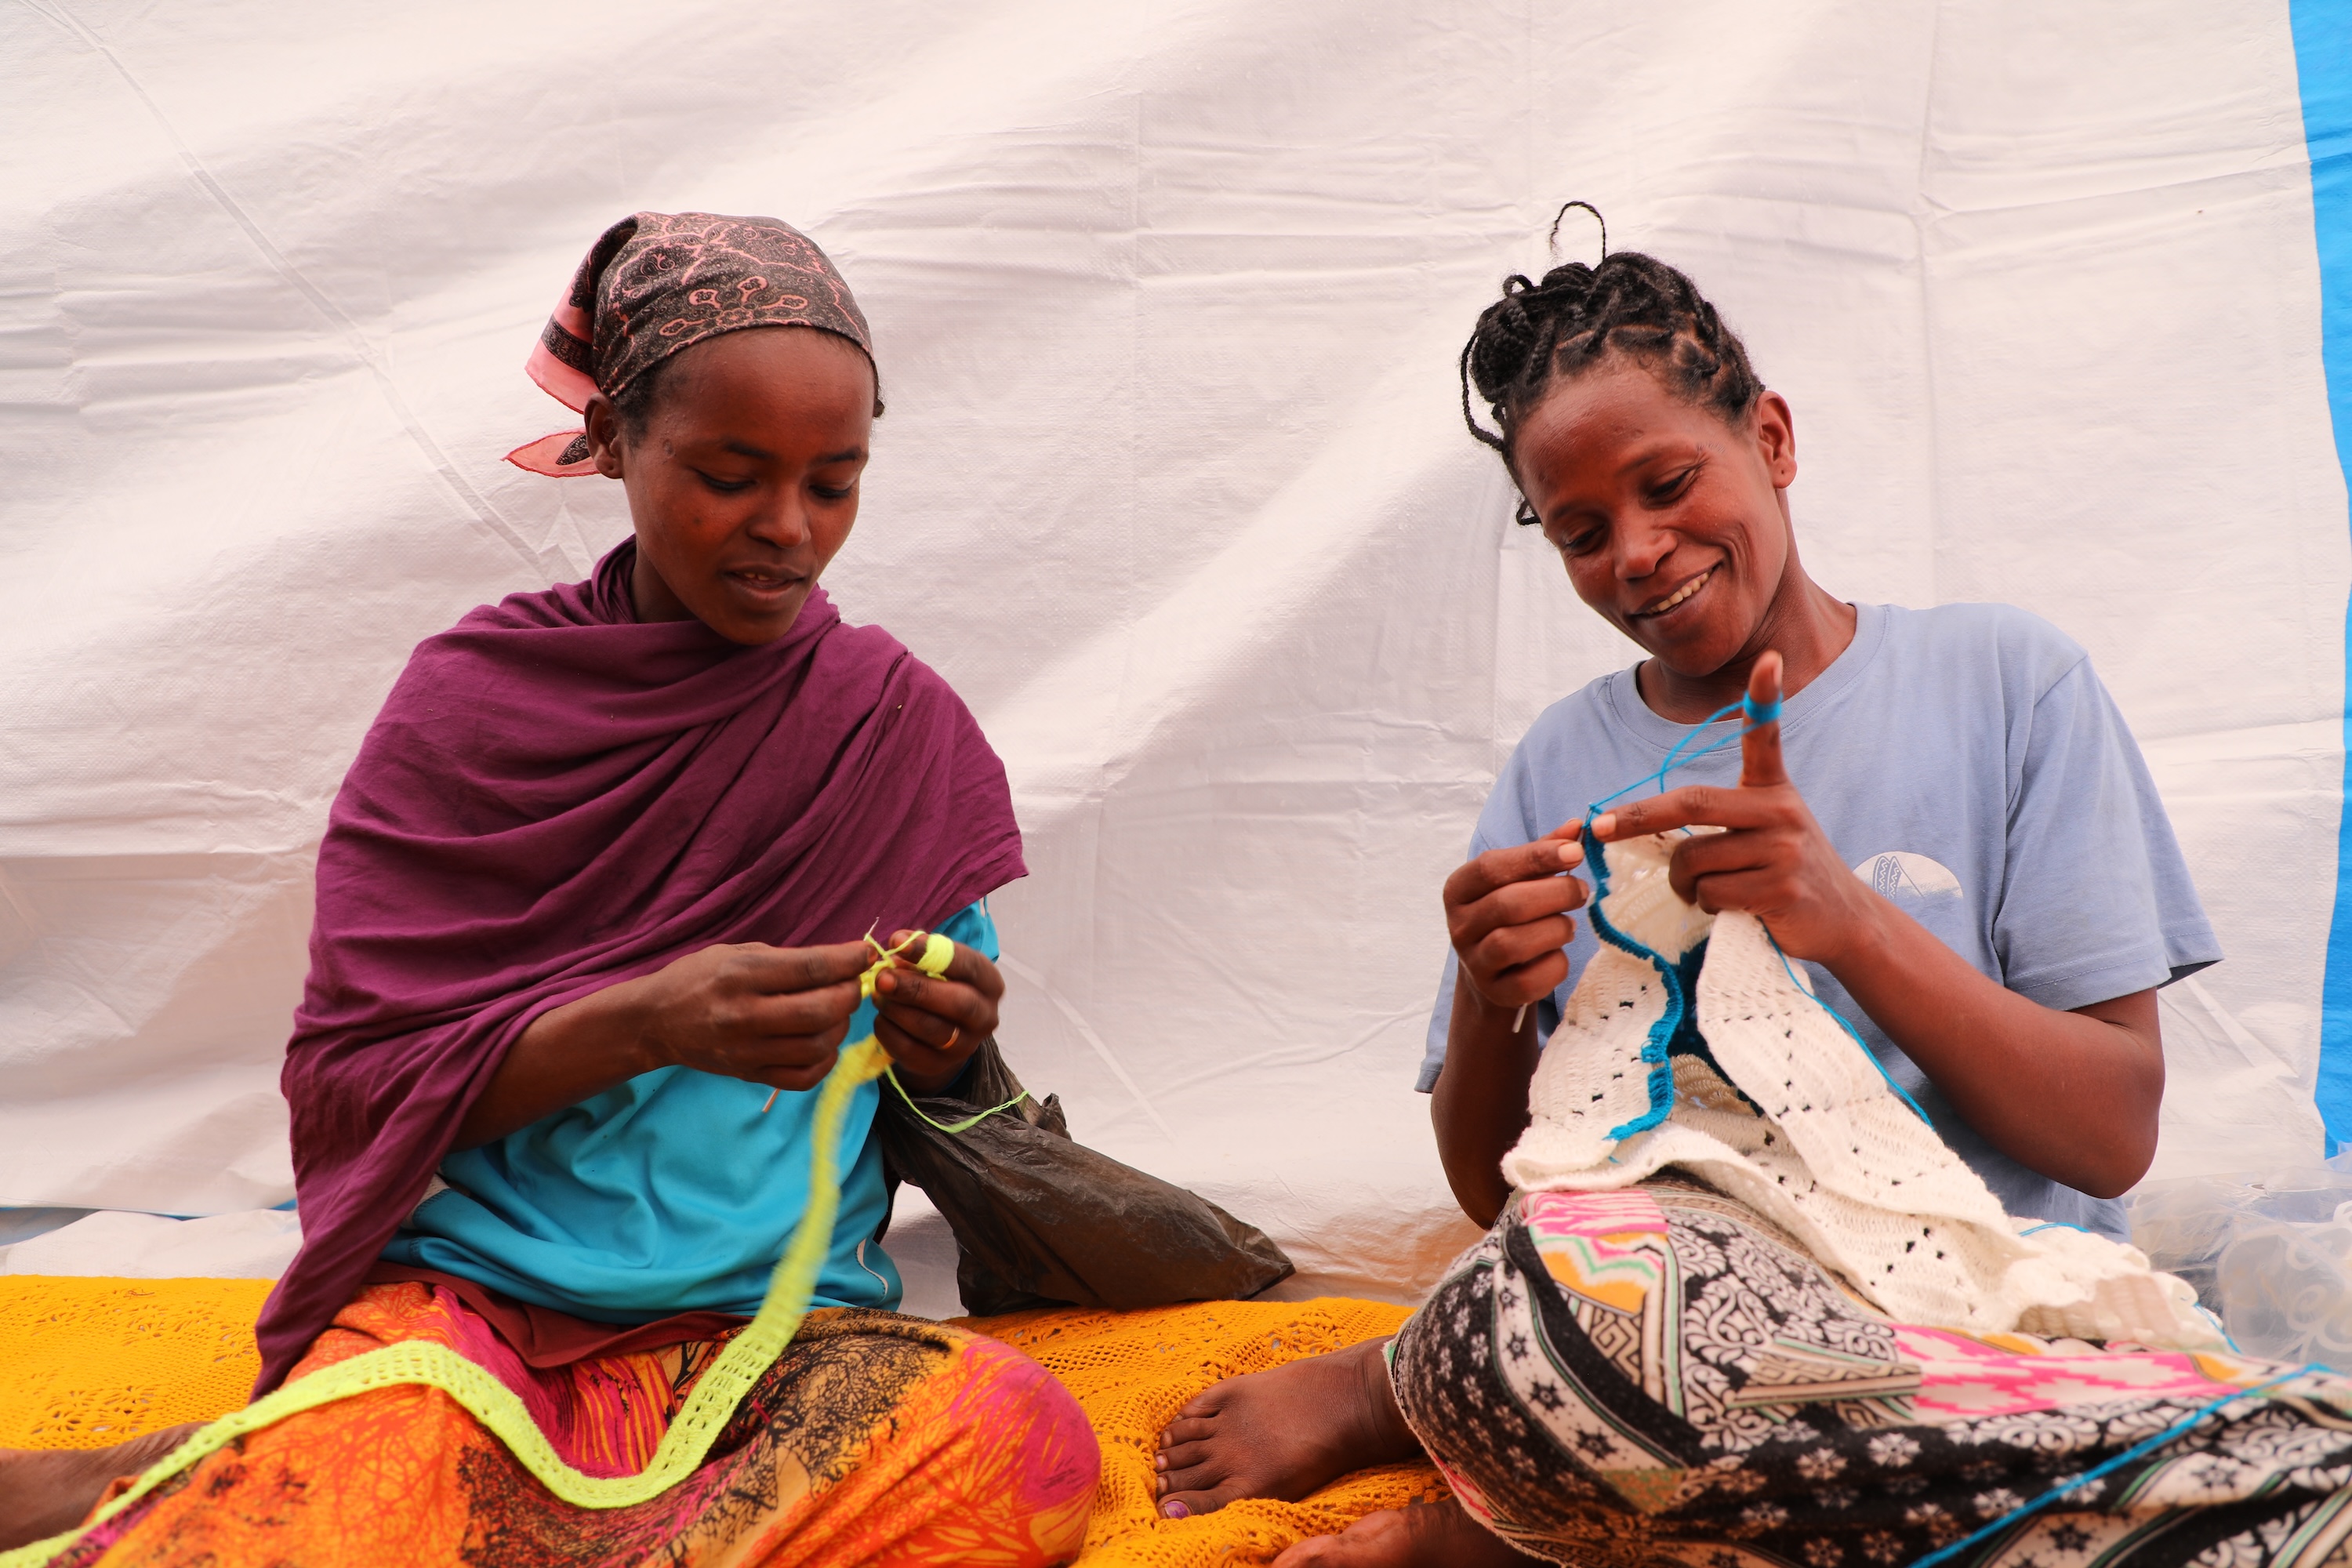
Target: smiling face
point(1673, 522)
point(743, 479)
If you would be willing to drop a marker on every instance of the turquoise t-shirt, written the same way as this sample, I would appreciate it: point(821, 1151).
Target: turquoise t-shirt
point(670, 1193)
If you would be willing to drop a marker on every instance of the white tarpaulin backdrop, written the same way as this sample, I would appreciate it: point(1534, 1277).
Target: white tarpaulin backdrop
point(1173, 487)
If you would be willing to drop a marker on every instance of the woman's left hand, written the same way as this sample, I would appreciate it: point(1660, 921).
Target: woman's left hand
point(930, 1025)
point(1772, 860)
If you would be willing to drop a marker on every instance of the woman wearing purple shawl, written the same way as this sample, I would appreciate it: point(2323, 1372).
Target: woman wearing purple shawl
point(593, 894)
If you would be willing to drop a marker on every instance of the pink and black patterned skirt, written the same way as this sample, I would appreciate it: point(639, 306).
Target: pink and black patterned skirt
point(1658, 1376)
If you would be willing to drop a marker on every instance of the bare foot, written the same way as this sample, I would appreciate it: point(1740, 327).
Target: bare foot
point(1283, 1433)
point(1435, 1535)
point(46, 1491)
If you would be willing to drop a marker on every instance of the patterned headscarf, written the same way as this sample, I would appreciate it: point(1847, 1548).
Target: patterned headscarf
point(654, 283)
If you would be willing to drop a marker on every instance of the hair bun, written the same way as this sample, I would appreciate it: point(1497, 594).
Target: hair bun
point(1630, 304)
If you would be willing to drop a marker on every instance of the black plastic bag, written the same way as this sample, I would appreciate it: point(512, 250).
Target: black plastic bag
point(1042, 1220)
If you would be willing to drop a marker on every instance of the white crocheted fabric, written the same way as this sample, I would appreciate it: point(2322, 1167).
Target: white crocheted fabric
point(1807, 1131)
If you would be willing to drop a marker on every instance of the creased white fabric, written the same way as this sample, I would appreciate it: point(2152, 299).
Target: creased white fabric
point(253, 1245)
point(1172, 485)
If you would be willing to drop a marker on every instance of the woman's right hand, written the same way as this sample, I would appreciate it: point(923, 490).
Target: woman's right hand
point(772, 1016)
point(1506, 912)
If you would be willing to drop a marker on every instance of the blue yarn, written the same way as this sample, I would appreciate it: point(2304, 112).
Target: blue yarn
point(1674, 759)
point(1757, 717)
point(2064, 1484)
point(1849, 1034)
point(1653, 1050)
point(2220, 1327)
point(2054, 1224)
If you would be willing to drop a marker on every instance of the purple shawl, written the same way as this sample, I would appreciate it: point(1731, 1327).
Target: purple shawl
point(556, 798)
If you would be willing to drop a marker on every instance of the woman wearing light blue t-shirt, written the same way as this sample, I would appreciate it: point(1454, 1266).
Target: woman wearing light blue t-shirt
point(1942, 817)
point(1950, 822)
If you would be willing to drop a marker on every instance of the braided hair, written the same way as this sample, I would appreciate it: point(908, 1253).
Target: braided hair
point(1631, 304)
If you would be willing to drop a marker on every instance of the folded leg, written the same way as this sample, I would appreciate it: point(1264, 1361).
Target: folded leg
point(1658, 1376)
point(875, 1439)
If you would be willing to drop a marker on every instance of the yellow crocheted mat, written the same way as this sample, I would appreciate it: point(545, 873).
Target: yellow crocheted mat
point(1133, 1371)
point(87, 1362)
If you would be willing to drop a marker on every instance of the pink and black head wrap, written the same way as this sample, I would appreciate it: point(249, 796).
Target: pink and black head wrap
point(654, 283)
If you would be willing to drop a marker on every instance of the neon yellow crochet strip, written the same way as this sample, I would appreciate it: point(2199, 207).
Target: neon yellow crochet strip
point(747, 1356)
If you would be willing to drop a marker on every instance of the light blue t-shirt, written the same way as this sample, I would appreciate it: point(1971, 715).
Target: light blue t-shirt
point(1968, 764)
point(670, 1193)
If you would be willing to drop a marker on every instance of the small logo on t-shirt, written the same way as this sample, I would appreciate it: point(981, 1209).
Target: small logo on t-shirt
point(1908, 879)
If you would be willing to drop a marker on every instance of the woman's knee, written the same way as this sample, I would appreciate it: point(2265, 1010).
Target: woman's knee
point(1012, 1402)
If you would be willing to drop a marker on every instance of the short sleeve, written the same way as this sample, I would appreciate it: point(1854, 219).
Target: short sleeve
point(2096, 901)
point(1441, 1017)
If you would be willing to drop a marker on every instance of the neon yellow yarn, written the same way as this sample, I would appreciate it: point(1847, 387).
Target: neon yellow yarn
point(498, 1407)
point(967, 1124)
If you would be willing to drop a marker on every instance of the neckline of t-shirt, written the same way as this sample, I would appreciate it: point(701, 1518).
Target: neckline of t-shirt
point(1627, 709)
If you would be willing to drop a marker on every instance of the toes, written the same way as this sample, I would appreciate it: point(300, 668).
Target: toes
point(1180, 1456)
point(1196, 1476)
point(1182, 1429)
point(1185, 1504)
point(1205, 1403)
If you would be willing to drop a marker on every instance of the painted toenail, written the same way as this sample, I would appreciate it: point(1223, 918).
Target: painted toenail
point(1177, 1511)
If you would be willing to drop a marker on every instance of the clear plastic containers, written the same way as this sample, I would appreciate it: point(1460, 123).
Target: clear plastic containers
point(2270, 1253)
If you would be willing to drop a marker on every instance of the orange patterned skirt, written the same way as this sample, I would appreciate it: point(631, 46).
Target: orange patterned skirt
point(874, 1439)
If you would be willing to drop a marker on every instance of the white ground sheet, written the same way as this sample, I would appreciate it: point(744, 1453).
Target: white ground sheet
point(1173, 486)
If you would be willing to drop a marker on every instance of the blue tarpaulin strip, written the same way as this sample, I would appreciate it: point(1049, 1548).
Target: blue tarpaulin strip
point(2323, 53)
